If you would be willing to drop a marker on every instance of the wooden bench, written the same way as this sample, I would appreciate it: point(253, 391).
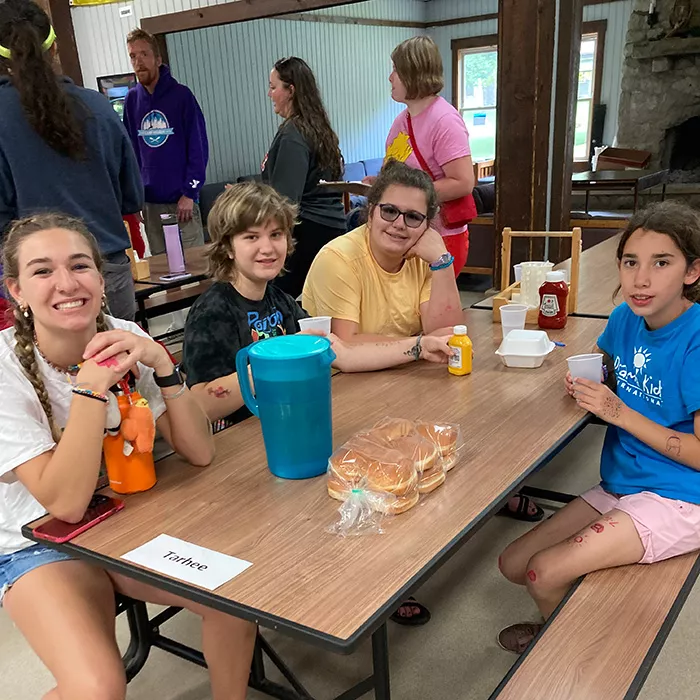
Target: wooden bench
point(603, 640)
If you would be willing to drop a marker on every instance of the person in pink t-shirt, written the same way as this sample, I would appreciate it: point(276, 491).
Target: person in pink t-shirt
point(440, 134)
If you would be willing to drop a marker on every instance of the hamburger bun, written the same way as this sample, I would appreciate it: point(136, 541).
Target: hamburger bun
point(393, 428)
point(399, 478)
point(422, 452)
point(348, 465)
point(444, 437)
point(400, 504)
point(337, 488)
point(449, 461)
point(431, 481)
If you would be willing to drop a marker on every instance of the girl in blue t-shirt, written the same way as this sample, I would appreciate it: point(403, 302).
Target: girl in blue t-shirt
point(647, 506)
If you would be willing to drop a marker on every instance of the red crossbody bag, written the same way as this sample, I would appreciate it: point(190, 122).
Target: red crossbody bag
point(456, 213)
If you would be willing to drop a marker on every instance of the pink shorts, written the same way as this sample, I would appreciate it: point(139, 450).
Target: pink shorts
point(666, 527)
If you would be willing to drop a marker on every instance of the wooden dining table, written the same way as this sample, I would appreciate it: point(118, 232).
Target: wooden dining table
point(197, 269)
point(598, 280)
point(512, 422)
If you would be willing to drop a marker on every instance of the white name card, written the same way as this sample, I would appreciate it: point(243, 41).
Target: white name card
point(187, 562)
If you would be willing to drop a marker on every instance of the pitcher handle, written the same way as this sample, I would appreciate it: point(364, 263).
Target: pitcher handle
point(244, 381)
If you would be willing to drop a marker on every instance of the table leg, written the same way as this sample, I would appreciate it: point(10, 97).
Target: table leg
point(636, 197)
point(380, 660)
point(141, 317)
point(588, 193)
point(663, 192)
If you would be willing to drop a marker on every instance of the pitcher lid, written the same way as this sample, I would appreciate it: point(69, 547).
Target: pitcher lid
point(289, 347)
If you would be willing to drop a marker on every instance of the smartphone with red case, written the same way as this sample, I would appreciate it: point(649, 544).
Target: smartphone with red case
point(99, 508)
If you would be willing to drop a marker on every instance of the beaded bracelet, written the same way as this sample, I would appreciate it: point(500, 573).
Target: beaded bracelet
point(90, 394)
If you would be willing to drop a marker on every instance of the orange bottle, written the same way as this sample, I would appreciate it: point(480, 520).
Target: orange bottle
point(129, 454)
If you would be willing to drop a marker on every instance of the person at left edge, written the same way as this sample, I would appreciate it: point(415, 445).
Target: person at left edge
point(168, 132)
point(63, 148)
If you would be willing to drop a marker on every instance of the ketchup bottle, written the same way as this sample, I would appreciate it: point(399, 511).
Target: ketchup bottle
point(554, 294)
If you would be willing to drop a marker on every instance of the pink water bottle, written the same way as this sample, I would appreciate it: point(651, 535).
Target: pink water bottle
point(173, 244)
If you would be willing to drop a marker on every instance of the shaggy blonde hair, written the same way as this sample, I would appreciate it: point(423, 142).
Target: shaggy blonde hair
point(238, 209)
point(419, 65)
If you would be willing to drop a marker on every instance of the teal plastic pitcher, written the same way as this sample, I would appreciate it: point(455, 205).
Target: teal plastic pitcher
point(292, 378)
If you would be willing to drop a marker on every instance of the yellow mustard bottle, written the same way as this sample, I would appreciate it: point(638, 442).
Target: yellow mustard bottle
point(460, 361)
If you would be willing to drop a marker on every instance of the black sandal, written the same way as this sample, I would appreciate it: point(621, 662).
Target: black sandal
point(522, 511)
point(414, 619)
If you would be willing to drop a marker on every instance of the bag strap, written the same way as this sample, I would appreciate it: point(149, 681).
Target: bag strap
point(416, 150)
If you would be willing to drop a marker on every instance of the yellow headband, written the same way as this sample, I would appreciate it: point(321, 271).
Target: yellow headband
point(6, 53)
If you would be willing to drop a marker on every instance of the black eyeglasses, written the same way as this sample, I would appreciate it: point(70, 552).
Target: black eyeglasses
point(412, 219)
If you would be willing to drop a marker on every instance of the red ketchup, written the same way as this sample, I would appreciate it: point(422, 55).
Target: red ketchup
point(554, 293)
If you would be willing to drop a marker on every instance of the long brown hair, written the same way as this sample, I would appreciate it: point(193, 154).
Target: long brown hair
point(310, 116)
point(23, 317)
point(52, 113)
point(680, 222)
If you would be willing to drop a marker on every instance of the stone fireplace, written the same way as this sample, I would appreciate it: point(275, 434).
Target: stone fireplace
point(660, 100)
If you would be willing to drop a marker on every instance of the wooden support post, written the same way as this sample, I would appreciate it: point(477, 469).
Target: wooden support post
point(526, 79)
point(67, 57)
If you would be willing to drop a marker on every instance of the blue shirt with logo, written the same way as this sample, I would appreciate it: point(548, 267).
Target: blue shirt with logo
point(169, 135)
point(658, 375)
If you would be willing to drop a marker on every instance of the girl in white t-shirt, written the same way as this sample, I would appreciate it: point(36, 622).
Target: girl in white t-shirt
point(53, 412)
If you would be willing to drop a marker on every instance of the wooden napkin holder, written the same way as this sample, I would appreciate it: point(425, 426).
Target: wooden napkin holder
point(506, 294)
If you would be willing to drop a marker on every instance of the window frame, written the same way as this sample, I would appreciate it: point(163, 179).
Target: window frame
point(486, 41)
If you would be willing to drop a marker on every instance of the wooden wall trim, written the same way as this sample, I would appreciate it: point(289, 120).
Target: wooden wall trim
point(232, 12)
point(68, 60)
point(244, 10)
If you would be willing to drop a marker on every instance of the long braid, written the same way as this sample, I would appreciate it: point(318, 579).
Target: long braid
point(24, 350)
point(102, 324)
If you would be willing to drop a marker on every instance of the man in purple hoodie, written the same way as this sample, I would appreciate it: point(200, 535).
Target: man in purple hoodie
point(167, 129)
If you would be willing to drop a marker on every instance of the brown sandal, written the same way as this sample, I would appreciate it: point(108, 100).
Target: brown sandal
point(516, 638)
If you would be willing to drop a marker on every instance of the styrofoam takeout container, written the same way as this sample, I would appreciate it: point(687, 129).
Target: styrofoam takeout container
point(525, 348)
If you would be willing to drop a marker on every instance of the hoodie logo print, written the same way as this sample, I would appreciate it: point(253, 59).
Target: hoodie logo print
point(155, 129)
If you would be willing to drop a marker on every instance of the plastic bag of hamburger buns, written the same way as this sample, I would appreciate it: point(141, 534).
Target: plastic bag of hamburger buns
point(446, 437)
point(403, 436)
point(361, 513)
point(372, 466)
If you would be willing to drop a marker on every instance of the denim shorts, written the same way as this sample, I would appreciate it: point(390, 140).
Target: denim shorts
point(14, 566)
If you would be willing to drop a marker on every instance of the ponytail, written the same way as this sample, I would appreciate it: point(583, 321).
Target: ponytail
point(25, 34)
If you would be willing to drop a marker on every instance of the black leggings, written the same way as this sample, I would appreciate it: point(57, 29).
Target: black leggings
point(310, 238)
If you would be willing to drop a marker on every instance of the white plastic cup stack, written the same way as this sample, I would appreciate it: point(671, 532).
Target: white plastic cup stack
point(586, 367)
point(316, 323)
point(513, 317)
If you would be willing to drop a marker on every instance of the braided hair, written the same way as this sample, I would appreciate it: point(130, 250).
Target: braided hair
point(23, 317)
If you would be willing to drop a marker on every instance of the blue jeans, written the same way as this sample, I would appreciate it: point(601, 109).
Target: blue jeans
point(14, 566)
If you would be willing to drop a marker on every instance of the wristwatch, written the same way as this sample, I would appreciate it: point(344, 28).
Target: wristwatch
point(445, 260)
point(174, 379)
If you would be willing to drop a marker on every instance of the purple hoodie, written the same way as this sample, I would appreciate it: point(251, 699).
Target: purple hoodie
point(169, 136)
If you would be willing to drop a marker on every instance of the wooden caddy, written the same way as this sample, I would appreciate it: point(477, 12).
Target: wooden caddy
point(506, 293)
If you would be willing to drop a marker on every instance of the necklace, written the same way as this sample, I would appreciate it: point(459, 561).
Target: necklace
point(71, 370)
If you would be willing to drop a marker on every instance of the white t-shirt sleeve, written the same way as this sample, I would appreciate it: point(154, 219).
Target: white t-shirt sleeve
point(24, 427)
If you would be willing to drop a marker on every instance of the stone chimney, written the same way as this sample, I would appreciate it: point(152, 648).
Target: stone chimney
point(660, 100)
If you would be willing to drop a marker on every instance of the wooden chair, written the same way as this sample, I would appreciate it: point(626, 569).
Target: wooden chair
point(484, 168)
point(602, 641)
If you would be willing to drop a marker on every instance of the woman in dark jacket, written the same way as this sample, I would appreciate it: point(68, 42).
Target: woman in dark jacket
point(63, 148)
point(304, 151)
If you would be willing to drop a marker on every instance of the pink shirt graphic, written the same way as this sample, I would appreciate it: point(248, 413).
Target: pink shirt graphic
point(441, 136)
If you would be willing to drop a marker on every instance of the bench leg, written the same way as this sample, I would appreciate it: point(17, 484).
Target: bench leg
point(140, 643)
